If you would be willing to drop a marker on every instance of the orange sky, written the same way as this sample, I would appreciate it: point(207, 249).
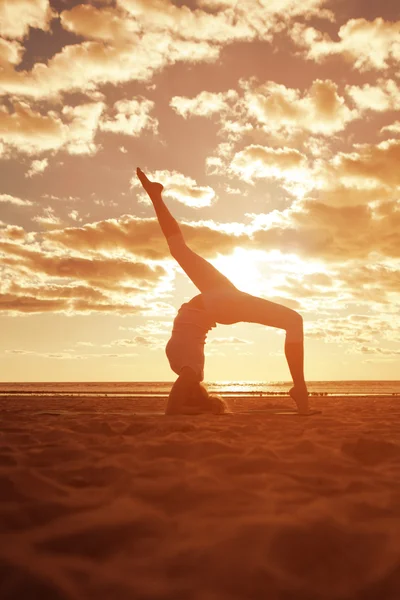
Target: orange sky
point(273, 125)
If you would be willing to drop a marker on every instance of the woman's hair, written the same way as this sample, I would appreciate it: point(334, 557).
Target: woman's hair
point(189, 396)
point(198, 396)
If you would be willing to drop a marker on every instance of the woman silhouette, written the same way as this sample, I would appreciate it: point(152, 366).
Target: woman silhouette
point(219, 301)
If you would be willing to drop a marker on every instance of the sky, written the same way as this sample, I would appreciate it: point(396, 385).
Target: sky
point(273, 125)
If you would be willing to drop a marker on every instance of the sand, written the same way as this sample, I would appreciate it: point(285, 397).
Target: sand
point(96, 502)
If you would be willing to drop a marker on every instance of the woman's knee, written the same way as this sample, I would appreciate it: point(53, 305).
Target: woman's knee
point(294, 330)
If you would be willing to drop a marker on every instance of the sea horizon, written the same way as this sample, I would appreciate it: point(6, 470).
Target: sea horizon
point(361, 387)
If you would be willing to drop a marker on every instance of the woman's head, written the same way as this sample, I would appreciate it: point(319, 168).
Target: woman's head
point(198, 397)
point(189, 396)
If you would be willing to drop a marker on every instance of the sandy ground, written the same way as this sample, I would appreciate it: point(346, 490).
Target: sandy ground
point(97, 502)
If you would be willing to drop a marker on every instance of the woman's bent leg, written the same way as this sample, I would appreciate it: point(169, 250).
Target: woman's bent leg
point(251, 309)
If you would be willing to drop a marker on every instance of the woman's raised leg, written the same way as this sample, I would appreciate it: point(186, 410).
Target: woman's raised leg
point(203, 274)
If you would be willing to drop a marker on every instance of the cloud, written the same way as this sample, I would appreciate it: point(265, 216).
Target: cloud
point(134, 40)
point(229, 341)
point(270, 109)
point(83, 121)
point(180, 187)
point(142, 238)
point(370, 165)
point(354, 329)
point(106, 24)
point(100, 271)
point(14, 200)
point(85, 269)
point(382, 97)
point(139, 340)
point(334, 234)
point(28, 131)
point(394, 128)
point(320, 109)
point(49, 219)
point(86, 66)
point(11, 52)
point(204, 104)
point(263, 162)
point(309, 228)
point(368, 45)
point(37, 166)
point(68, 355)
point(17, 16)
point(74, 215)
point(12, 303)
point(39, 277)
point(24, 129)
point(13, 233)
point(131, 118)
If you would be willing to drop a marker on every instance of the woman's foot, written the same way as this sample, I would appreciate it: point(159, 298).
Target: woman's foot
point(153, 188)
point(300, 396)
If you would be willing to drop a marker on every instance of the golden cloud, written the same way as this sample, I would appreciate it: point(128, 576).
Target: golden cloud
point(179, 187)
point(37, 167)
point(368, 45)
point(320, 109)
point(17, 16)
point(382, 97)
point(131, 117)
point(370, 165)
point(107, 24)
point(30, 132)
point(135, 39)
point(100, 271)
point(272, 108)
point(204, 104)
point(141, 237)
point(264, 161)
point(11, 53)
point(14, 200)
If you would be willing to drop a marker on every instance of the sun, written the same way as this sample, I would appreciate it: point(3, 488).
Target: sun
point(241, 267)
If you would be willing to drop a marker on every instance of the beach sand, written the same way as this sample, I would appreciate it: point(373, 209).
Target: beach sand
point(97, 502)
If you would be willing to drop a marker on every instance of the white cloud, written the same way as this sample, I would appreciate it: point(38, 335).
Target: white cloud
point(393, 128)
point(204, 104)
point(369, 45)
point(382, 97)
point(131, 117)
point(320, 109)
point(30, 132)
point(16, 16)
point(136, 39)
point(37, 166)
point(11, 52)
point(180, 187)
point(49, 219)
point(74, 215)
point(83, 121)
point(270, 109)
point(14, 200)
point(285, 164)
point(107, 24)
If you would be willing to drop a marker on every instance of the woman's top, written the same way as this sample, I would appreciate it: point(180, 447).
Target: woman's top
point(186, 345)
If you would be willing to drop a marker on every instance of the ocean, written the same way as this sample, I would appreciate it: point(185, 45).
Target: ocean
point(225, 388)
